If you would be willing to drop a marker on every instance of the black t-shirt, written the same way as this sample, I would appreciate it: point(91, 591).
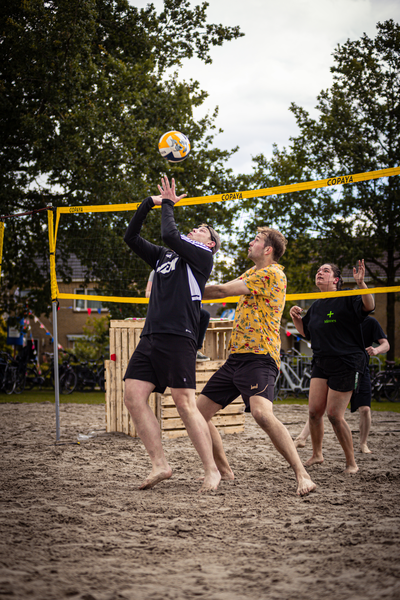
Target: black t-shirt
point(333, 327)
point(181, 273)
point(372, 331)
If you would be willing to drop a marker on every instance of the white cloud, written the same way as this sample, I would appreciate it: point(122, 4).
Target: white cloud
point(284, 57)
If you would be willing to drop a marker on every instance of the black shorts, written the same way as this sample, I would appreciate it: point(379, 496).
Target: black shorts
point(363, 395)
point(165, 360)
point(340, 377)
point(243, 375)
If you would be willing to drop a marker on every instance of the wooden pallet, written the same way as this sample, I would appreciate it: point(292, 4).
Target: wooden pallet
point(124, 337)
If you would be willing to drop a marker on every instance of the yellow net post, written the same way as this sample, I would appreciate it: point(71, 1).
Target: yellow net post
point(54, 301)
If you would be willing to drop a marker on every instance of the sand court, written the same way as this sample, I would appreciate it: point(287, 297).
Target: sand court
point(74, 525)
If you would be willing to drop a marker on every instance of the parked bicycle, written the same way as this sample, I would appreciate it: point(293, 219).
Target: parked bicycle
point(90, 374)
point(386, 384)
point(294, 375)
point(8, 373)
point(44, 377)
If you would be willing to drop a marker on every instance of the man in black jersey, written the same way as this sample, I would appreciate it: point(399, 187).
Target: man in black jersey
point(166, 353)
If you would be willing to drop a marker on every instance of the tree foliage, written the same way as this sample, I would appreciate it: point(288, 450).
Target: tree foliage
point(96, 342)
point(86, 89)
point(357, 130)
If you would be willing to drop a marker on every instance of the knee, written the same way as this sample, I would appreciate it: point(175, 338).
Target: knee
point(185, 407)
point(128, 400)
point(315, 414)
point(364, 410)
point(261, 417)
point(334, 419)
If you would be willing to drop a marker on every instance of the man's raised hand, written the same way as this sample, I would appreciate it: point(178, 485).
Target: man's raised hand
point(168, 191)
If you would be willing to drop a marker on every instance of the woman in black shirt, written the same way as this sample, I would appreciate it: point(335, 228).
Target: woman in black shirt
point(339, 358)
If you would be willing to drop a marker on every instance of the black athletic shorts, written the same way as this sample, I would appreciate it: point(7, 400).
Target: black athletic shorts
point(165, 360)
point(243, 375)
point(340, 377)
point(363, 395)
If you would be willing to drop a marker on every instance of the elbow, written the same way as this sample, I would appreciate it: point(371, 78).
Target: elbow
point(167, 237)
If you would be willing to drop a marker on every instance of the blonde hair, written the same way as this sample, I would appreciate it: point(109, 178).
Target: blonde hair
point(274, 238)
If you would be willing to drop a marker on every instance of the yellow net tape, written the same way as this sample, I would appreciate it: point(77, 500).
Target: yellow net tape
point(282, 189)
point(289, 297)
point(1, 243)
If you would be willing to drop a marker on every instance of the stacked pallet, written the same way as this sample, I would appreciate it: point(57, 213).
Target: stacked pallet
point(124, 337)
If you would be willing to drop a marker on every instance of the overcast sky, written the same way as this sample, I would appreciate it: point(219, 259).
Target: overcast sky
point(285, 57)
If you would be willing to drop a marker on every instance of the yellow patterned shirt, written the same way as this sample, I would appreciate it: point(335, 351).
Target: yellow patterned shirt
point(258, 314)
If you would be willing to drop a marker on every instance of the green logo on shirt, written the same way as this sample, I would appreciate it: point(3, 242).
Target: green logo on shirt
point(330, 314)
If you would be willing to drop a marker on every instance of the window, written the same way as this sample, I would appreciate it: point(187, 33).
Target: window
point(85, 304)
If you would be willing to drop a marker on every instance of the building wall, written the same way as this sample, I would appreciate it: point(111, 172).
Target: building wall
point(70, 321)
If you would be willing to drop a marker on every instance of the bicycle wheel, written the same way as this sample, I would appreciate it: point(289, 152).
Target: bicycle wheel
point(391, 387)
point(11, 380)
point(68, 381)
point(20, 383)
point(30, 378)
point(305, 384)
point(377, 386)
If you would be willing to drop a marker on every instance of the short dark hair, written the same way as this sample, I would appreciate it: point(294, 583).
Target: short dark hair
point(274, 238)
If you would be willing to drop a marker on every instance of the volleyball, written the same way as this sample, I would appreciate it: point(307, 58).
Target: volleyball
point(174, 146)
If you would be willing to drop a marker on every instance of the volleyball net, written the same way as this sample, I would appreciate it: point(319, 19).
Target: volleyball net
point(109, 265)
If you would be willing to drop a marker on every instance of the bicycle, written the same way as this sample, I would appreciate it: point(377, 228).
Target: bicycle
point(90, 374)
point(67, 375)
point(293, 378)
point(8, 373)
point(387, 383)
point(45, 377)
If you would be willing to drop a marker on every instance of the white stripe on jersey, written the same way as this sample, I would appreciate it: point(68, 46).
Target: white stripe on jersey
point(193, 285)
point(195, 243)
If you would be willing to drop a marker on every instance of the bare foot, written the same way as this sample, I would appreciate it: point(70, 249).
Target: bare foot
point(314, 460)
point(210, 482)
point(364, 449)
point(351, 470)
point(299, 442)
point(225, 476)
point(305, 486)
point(155, 477)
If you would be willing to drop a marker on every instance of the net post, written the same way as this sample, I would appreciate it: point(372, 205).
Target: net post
point(56, 378)
point(54, 301)
point(1, 242)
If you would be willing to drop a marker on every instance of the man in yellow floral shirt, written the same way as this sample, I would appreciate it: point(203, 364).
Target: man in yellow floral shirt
point(254, 360)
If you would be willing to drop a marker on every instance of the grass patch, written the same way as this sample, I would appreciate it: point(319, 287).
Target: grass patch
point(48, 396)
point(378, 406)
point(99, 398)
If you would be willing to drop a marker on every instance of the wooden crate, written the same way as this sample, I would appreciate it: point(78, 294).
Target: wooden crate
point(217, 338)
point(124, 337)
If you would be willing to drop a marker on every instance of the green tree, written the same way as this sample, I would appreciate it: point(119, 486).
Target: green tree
point(357, 130)
point(96, 342)
point(86, 89)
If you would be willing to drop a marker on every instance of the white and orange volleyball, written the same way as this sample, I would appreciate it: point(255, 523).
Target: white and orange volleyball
point(174, 146)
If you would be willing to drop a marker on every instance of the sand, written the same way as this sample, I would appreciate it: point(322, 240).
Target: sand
point(74, 524)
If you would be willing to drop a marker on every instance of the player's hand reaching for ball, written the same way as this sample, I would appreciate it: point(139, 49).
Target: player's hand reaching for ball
point(168, 191)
